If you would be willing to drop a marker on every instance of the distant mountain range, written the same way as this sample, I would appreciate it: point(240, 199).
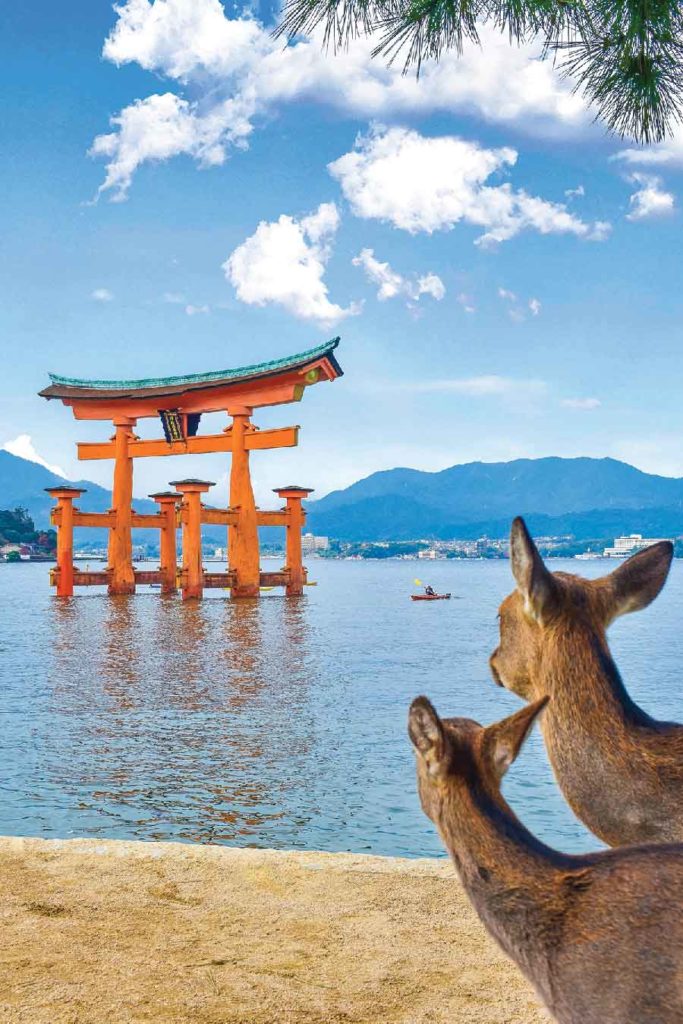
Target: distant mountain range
point(588, 498)
point(585, 498)
point(23, 483)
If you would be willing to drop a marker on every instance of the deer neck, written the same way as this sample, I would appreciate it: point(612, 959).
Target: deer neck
point(509, 876)
point(586, 690)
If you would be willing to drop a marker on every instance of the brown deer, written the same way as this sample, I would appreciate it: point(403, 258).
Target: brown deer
point(599, 936)
point(620, 770)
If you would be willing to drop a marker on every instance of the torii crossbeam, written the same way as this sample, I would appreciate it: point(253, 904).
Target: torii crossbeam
point(180, 402)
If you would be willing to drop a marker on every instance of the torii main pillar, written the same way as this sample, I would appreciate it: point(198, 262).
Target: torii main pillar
point(120, 550)
point(243, 542)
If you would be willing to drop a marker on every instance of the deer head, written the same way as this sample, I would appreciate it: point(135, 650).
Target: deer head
point(456, 752)
point(547, 608)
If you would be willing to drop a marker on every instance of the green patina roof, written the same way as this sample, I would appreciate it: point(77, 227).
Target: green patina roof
point(197, 378)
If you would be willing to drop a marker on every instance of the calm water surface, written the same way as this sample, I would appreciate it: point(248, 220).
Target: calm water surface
point(276, 724)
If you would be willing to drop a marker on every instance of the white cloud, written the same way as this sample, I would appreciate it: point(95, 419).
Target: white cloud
point(235, 72)
point(466, 301)
point(486, 386)
point(392, 283)
point(668, 152)
point(430, 184)
point(284, 261)
point(174, 298)
point(581, 404)
point(575, 193)
point(194, 310)
point(22, 446)
point(650, 200)
point(102, 295)
point(515, 307)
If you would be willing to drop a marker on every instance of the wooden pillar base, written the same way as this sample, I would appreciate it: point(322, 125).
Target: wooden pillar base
point(192, 574)
point(63, 518)
point(296, 517)
point(168, 555)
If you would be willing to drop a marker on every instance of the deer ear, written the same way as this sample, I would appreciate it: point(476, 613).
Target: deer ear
point(534, 582)
point(641, 577)
point(503, 741)
point(427, 734)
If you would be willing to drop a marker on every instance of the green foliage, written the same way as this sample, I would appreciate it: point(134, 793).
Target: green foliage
point(626, 56)
point(13, 556)
point(17, 527)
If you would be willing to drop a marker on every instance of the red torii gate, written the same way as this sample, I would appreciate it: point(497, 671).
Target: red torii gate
point(180, 402)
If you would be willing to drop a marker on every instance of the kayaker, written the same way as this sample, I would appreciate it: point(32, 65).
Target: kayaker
point(429, 591)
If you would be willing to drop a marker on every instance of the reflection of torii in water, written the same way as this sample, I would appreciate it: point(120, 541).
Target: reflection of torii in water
point(180, 402)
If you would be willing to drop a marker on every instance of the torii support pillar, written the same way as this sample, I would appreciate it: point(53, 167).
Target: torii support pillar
point(64, 496)
point(243, 541)
point(122, 574)
point(296, 517)
point(192, 575)
point(168, 561)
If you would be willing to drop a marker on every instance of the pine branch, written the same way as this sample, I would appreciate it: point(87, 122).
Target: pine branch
point(625, 56)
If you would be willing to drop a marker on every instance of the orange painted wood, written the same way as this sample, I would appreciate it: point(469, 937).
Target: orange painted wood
point(259, 440)
point(168, 554)
point(94, 518)
point(218, 516)
point(122, 579)
point(296, 517)
point(64, 577)
point(216, 580)
point(267, 518)
point(192, 575)
point(149, 576)
point(278, 437)
point(243, 543)
point(146, 521)
point(91, 579)
point(282, 390)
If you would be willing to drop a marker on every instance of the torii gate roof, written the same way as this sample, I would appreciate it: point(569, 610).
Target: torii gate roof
point(269, 383)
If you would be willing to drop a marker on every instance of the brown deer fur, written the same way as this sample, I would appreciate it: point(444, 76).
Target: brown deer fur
point(599, 936)
point(620, 770)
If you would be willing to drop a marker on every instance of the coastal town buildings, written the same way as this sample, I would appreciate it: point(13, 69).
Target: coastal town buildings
point(628, 545)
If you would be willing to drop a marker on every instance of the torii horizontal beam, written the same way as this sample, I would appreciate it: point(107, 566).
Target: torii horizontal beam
point(202, 444)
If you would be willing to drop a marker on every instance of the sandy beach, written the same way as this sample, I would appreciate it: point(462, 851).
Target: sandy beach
point(101, 932)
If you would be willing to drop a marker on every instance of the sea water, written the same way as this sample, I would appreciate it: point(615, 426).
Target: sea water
point(278, 723)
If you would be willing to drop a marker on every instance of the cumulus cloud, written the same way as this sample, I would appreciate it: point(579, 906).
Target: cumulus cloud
point(649, 200)
point(22, 446)
point(284, 262)
point(581, 404)
point(534, 306)
point(575, 193)
point(428, 184)
point(195, 310)
point(392, 284)
point(102, 295)
point(235, 72)
point(466, 301)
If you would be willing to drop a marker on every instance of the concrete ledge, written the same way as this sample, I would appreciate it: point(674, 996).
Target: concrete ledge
point(107, 932)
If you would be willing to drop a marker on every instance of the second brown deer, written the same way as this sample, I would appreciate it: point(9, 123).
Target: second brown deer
point(599, 936)
point(620, 770)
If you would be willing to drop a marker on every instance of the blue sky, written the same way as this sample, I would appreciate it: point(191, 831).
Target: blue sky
point(248, 202)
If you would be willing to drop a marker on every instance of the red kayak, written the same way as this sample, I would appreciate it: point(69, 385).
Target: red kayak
point(430, 597)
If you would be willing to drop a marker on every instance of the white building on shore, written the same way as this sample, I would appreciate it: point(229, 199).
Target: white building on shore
point(625, 546)
point(311, 545)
